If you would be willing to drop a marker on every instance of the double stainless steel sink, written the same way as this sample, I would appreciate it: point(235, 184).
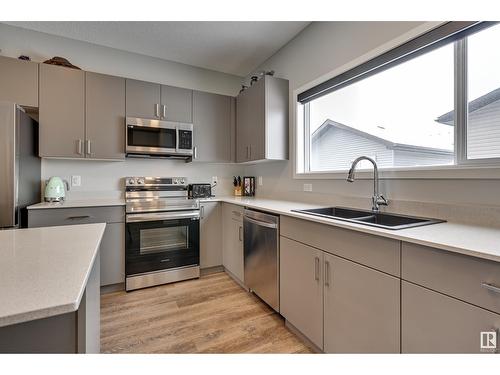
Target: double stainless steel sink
point(371, 218)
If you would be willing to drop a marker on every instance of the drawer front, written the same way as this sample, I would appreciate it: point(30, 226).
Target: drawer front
point(377, 252)
point(234, 211)
point(70, 216)
point(457, 275)
point(434, 323)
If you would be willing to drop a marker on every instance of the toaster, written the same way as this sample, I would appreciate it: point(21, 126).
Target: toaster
point(199, 190)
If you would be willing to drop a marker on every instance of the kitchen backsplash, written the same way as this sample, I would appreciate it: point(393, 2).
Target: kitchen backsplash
point(101, 179)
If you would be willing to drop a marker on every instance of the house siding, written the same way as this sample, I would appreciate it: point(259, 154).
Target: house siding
point(337, 148)
point(483, 132)
point(419, 158)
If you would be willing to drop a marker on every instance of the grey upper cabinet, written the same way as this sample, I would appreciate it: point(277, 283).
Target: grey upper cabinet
point(213, 127)
point(104, 116)
point(155, 101)
point(435, 323)
point(210, 235)
point(176, 104)
point(61, 112)
point(301, 288)
point(361, 308)
point(262, 121)
point(143, 99)
point(19, 81)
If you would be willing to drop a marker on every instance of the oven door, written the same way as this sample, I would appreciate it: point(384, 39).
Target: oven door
point(151, 137)
point(160, 241)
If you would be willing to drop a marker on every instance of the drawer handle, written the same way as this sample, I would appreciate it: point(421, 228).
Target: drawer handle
point(240, 233)
point(236, 213)
point(491, 287)
point(79, 217)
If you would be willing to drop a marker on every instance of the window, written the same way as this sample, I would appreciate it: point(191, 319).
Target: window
point(399, 109)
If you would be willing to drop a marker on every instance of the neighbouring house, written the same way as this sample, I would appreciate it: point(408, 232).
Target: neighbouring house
point(334, 146)
point(483, 128)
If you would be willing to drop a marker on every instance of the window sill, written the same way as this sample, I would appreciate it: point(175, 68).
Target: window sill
point(421, 173)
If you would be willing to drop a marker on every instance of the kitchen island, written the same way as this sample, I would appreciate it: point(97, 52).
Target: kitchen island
point(49, 289)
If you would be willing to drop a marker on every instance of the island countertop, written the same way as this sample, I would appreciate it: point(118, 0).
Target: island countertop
point(44, 271)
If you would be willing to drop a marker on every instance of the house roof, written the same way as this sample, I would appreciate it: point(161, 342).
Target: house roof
point(491, 97)
point(328, 125)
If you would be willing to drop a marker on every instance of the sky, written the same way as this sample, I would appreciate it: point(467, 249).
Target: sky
point(402, 103)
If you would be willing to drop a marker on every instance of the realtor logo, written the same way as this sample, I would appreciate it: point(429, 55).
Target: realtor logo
point(488, 341)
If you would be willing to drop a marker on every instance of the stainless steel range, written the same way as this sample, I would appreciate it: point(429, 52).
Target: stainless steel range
point(162, 232)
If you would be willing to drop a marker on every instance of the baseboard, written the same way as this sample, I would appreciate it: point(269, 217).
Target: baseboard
point(210, 270)
point(112, 288)
point(238, 281)
point(301, 336)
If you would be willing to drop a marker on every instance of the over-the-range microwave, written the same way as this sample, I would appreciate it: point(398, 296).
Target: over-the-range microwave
point(156, 138)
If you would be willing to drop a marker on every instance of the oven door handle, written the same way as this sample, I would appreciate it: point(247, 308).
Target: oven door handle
point(156, 216)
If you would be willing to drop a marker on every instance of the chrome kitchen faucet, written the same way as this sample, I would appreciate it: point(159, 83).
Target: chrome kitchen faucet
point(377, 199)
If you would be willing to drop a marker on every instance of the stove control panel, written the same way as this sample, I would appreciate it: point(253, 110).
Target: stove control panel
point(155, 181)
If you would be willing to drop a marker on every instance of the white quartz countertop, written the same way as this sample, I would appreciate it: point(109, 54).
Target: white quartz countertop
point(77, 203)
point(478, 241)
point(44, 271)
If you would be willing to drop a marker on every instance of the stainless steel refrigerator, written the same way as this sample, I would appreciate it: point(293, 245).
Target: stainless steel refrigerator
point(19, 165)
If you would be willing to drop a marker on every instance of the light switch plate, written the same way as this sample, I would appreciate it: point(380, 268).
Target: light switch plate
point(308, 187)
point(76, 180)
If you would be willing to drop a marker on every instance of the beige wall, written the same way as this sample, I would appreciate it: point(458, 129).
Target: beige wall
point(323, 50)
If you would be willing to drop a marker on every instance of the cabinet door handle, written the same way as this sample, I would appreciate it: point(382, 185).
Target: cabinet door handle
point(89, 148)
point(195, 152)
point(316, 268)
point(202, 212)
point(164, 111)
point(490, 287)
point(79, 147)
point(157, 110)
point(240, 233)
point(327, 273)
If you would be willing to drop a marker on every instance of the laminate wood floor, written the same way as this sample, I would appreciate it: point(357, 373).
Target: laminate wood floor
point(212, 314)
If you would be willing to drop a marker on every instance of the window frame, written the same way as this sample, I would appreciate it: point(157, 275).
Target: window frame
point(463, 168)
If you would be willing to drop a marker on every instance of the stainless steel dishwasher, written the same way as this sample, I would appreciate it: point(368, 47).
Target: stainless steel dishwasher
point(261, 251)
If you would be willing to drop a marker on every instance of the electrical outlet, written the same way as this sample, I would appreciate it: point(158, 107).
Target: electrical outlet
point(308, 187)
point(214, 180)
point(76, 180)
point(259, 181)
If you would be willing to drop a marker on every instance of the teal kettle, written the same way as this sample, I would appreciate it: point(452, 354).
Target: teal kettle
point(55, 190)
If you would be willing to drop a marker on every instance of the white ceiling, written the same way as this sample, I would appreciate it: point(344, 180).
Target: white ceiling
point(229, 47)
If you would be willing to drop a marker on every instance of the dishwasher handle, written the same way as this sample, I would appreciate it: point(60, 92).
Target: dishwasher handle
point(261, 223)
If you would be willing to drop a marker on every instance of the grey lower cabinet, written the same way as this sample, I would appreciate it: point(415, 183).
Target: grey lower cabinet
point(112, 251)
point(301, 288)
point(61, 112)
point(214, 127)
point(262, 121)
point(19, 81)
point(232, 240)
point(361, 308)
point(210, 235)
point(435, 323)
point(104, 116)
point(176, 104)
